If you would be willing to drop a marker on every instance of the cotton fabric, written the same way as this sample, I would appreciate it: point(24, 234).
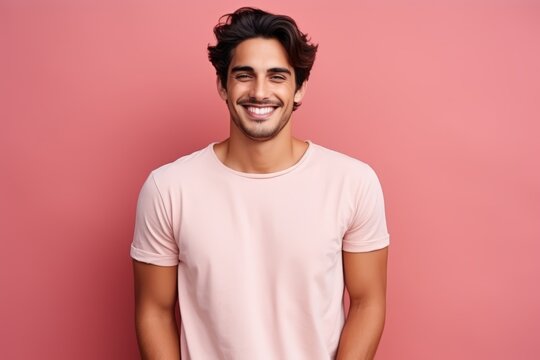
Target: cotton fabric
point(259, 256)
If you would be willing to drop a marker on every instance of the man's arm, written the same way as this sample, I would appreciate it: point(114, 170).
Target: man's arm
point(365, 278)
point(155, 301)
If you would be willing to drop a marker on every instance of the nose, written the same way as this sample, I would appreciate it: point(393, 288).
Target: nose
point(259, 89)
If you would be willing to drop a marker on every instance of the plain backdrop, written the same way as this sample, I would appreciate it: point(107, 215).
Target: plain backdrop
point(441, 98)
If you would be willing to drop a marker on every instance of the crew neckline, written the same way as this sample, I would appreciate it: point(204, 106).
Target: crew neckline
point(224, 167)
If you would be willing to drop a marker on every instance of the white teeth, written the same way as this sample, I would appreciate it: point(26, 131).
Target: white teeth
point(260, 111)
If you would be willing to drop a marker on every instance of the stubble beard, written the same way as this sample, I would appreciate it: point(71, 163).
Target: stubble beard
point(260, 132)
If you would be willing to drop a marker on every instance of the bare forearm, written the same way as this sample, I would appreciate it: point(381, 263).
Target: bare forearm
point(362, 331)
point(157, 335)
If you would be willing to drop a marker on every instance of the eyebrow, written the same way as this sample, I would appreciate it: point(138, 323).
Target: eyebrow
point(250, 69)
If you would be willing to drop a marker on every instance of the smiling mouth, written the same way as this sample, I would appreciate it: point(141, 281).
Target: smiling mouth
point(259, 112)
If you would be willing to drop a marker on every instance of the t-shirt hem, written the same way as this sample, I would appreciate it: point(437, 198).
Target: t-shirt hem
point(362, 246)
point(151, 258)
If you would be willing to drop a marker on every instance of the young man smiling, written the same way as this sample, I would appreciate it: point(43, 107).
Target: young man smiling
point(258, 235)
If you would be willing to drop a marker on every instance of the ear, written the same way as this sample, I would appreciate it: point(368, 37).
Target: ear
point(299, 94)
point(221, 90)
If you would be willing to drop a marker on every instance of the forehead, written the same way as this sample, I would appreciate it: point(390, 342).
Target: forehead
point(260, 54)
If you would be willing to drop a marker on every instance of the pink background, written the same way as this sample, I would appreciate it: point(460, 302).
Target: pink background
point(442, 100)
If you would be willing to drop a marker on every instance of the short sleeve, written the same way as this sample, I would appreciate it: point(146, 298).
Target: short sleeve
point(153, 240)
point(367, 230)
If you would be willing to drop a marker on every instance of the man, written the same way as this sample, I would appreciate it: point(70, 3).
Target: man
point(258, 234)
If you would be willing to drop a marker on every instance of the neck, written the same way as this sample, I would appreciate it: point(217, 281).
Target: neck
point(246, 155)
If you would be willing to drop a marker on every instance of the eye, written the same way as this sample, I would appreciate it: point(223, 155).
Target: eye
point(242, 76)
point(278, 78)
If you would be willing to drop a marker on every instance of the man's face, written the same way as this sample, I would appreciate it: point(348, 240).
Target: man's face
point(260, 88)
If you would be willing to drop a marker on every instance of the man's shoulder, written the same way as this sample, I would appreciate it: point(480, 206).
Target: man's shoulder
point(186, 165)
point(339, 161)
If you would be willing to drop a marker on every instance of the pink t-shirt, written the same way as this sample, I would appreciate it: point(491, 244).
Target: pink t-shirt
point(259, 255)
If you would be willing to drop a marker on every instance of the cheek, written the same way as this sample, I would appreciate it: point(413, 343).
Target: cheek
point(286, 92)
point(237, 92)
point(287, 96)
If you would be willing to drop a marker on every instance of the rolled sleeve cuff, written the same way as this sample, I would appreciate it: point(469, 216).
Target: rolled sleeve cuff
point(363, 246)
point(151, 258)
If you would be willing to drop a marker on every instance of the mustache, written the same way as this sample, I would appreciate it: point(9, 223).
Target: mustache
point(252, 101)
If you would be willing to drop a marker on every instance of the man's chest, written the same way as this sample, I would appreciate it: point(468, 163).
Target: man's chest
point(262, 228)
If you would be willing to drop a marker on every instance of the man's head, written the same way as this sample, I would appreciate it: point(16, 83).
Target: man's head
point(247, 23)
point(262, 62)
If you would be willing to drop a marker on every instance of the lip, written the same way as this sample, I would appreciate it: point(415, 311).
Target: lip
point(259, 116)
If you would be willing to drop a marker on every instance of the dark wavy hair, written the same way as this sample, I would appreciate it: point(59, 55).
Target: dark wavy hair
point(247, 23)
